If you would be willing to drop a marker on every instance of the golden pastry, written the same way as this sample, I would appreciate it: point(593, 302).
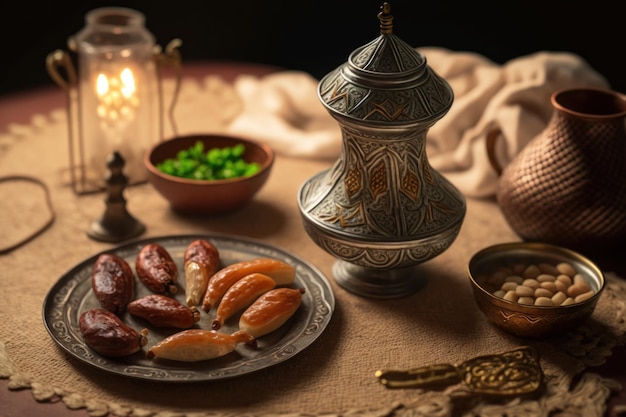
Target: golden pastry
point(240, 295)
point(281, 272)
point(270, 311)
point(194, 345)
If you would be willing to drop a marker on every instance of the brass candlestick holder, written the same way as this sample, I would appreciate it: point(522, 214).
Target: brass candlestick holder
point(116, 224)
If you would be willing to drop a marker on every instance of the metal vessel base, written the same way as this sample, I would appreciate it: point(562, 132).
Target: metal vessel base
point(378, 283)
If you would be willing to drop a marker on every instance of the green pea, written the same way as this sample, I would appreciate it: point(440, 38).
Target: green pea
point(252, 169)
point(216, 163)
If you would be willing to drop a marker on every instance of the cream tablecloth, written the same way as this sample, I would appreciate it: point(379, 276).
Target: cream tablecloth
point(335, 375)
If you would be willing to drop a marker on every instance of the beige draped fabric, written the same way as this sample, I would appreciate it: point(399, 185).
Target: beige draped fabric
point(283, 109)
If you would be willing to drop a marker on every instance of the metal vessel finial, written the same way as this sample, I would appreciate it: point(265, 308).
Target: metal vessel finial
point(386, 19)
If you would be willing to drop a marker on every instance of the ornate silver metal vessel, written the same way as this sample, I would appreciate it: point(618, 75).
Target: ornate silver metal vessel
point(381, 209)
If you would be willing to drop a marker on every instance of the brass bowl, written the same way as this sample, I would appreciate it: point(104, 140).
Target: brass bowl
point(530, 321)
point(208, 197)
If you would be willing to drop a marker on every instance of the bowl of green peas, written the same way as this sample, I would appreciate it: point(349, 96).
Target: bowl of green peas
point(208, 173)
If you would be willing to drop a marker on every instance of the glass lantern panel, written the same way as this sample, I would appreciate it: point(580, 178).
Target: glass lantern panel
point(117, 91)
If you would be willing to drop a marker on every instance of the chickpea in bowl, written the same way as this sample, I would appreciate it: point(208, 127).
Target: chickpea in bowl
point(534, 290)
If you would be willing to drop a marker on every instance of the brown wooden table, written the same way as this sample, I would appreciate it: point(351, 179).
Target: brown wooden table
point(18, 108)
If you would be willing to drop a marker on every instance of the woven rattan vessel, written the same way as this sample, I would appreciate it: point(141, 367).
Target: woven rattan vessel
point(568, 185)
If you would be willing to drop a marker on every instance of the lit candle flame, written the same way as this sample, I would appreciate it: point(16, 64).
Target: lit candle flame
point(102, 85)
point(128, 83)
point(117, 96)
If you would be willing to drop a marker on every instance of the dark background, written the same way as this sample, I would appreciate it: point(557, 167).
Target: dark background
point(317, 36)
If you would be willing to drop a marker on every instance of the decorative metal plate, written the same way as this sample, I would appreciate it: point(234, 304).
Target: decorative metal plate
point(72, 294)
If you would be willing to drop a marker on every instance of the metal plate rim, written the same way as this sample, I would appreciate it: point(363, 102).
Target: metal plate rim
point(71, 293)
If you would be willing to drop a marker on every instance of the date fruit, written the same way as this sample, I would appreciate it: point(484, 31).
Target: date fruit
point(156, 269)
point(163, 311)
point(201, 261)
point(108, 335)
point(113, 283)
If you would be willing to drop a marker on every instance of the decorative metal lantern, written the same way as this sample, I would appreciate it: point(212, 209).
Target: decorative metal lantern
point(115, 100)
point(381, 208)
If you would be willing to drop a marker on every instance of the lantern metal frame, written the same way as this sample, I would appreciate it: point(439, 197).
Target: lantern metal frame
point(61, 68)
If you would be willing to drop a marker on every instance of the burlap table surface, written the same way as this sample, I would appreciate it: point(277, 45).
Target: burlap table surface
point(335, 375)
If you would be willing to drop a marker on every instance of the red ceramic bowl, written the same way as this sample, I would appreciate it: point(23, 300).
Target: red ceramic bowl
point(206, 197)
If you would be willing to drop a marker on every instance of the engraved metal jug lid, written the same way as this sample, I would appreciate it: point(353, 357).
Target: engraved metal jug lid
point(386, 81)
